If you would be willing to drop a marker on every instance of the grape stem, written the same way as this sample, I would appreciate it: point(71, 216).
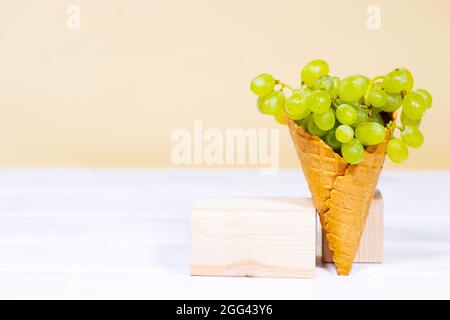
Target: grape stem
point(284, 85)
point(392, 126)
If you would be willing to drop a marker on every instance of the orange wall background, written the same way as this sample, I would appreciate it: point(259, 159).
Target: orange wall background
point(111, 93)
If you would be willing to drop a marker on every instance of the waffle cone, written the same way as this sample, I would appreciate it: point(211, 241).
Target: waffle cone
point(342, 193)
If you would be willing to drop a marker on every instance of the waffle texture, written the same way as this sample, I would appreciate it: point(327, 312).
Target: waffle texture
point(342, 193)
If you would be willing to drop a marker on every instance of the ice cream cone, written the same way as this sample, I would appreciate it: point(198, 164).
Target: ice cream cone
point(342, 193)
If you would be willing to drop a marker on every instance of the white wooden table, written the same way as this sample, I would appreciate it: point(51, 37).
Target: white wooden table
point(125, 234)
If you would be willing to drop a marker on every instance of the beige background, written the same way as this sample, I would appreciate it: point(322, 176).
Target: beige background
point(111, 93)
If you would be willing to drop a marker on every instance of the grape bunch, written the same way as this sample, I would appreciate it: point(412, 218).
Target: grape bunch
point(351, 113)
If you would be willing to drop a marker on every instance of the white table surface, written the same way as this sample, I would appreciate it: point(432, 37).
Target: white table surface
point(125, 234)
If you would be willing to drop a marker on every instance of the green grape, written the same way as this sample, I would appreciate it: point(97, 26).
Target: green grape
point(260, 105)
point(377, 85)
point(397, 150)
point(324, 83)
point(377, 97)
point(262, 84)
point(319, 101)
point(330, 138)
point(408, 121)
point(376, 117)
point(344, 133)
point(397, 81)
point(314, 70)
point(353, 88)
point(426, 96)
point(346, 114)
point(393, 102)
point(412, 136)
point(353, 151)
point(296, 108)
point(326, 120)
point(273, 102)
point(414, 105)
point(280, 117)
point(334, 91)
point(362, 116)
point(314, 129)
point(410, 78)
point(370, 133)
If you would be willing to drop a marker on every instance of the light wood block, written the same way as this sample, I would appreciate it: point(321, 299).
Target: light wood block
point(253, 237)
point(371, 245)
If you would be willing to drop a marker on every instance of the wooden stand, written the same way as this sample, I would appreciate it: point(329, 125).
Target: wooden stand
point(253, 237)
point(371, 245)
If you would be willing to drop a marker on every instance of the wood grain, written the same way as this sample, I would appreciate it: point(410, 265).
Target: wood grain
point(253, 237)
point(371, 245)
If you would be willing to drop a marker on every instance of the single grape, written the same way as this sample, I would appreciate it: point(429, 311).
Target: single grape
point(314, 129)
point(296, 108)
point(396, 81)
point(334, 91)
point(397, 150)
point(273, 102)
point(324, 83)
point(412, 136)
point(330, 138)
point(346, 114)
point(326, 120)
point(280, 118)
point(370, 133)
point(353, 88)
point(353, 151)
point(426, 96)
point(314, 70)
point(414, 105)
point(260, 105)
point(393, 102)
point(377, 97)
point(262, 84)
point(410, 78)
point(408, 121)
point(344, 133)
point(318, 101)
point(362, 116)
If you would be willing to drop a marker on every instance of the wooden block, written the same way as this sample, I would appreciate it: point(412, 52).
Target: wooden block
point(253, 237)
point(371, 245)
